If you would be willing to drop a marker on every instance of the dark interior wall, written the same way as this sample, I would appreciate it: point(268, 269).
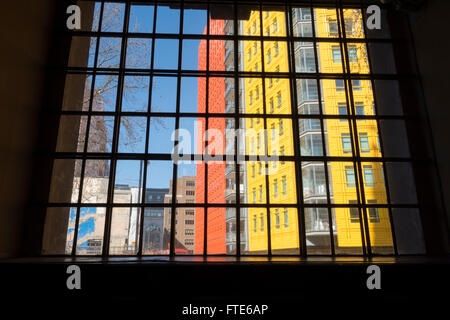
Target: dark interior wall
point(430, 28)
point(25, 36)
point(25, 42)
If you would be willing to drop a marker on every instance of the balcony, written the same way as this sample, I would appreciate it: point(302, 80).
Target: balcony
point(317, 191)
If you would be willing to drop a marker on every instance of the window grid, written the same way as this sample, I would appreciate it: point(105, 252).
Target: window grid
point(297, 157)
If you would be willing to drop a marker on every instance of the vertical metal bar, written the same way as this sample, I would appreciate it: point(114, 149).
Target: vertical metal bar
point(322, 130)
point(266, 140)
point(296, 134)
point(115, 142)
point(177, 126)
point(147, 142)
point(237, 127)
point(380, 136)
point(355, 137)
point(205, 212)
point(88, 123)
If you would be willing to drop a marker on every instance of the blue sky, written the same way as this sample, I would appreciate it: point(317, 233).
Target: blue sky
point(159, 173)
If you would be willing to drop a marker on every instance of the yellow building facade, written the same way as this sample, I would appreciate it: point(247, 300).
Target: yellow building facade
point(276, 140)
point(273, 57)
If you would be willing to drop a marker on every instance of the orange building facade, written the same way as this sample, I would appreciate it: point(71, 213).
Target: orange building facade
point(216, 225)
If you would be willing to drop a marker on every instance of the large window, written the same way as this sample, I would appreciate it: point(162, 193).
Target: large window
point(227, 129)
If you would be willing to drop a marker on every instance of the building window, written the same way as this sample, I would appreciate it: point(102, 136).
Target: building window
point(272, 108)
point(374, 217)
point(279, 99)
point(255, 223)
point(342, 109)
point(333, 28)
point(254, 195)
point(364, 142)
point(190, 222)
point(359, 106)
point(352, 53)
point(269, 56)
point(368, 176)
point(276, 49)
point(261, 196)
point(286, 218)
point(354, 212)
point(346, 143)
point(261, 219)
point(339, 85)
point(350, 176)
point(284, 182)
point(277, 218)
point(281, 127)
point(275, 188)
point(190, 192)
point(253, 171)
point(356, 85)
point(336, 54)
point(272, 127)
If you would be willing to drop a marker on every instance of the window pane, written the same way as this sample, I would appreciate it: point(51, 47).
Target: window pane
point(113, 16)
point(317, 229)
point(132, 134)
point(348, 231)
point(374, 185)
point(164, 14)
point(342, 181)
point(330, 57)
point(71, 134)
point(314, 183)
point(408, 231)
point(128, 182)
point(156, 230)
point(138, 53)
point(305, 60)
point(188, 236)
point(302, 23)
point(194, 21)
point(160, 138)
point(141, 19)
point(257, 240)
point(58, 230)
point(284, 231)
point(95, 183)
point(65, 183)
point(221, 233)
point(124, 231)
point(135, 93)
point(90, 231)
point(163, 97)
point(166, 54)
